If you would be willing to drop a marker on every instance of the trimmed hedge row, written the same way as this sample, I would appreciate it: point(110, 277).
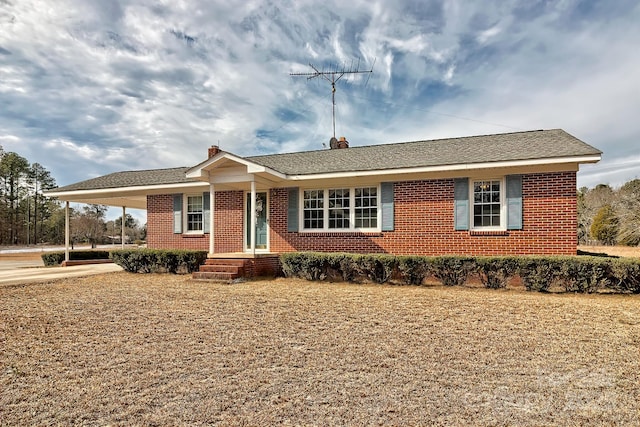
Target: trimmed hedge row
point(158, 261)
point(51, 259)
point(584, 274)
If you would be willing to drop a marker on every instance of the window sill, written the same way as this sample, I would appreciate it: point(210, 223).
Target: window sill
point(193, 235)
point(340, 233)
point(488, 233)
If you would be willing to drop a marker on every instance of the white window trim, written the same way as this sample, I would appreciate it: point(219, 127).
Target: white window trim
point(185, 217)
point(503, 204)
point(352, 210)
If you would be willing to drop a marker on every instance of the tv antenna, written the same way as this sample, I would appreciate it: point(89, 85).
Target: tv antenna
point(332, 76)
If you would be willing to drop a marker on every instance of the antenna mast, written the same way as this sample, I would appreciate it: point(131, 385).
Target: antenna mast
point(332, 76)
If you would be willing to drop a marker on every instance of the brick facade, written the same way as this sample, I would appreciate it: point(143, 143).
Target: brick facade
point(423, 212)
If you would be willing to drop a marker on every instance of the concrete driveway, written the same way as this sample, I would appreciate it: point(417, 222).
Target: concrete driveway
point(22, 272)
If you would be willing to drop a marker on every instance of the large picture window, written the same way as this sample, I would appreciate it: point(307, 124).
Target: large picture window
point(195, 214)
point(487, 204)
point(340, 209)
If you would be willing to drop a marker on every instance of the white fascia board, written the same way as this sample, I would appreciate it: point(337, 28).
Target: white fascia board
point(146, 189)
point(448, 168)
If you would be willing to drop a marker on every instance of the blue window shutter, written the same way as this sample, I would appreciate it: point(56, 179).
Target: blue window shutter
point(514, 202)
point(206, 212)
point(292, 210)
point(177, 213)
point(386, 203)
point(461, 203)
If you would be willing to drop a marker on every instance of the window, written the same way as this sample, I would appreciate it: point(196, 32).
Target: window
point(366, 207)
point(339, 208)
point(195, 214)
point(487, 204)
point(314, 209)
point(343, 208)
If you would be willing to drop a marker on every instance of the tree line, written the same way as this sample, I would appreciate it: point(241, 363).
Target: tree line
point(609, 216)
point(28, 217)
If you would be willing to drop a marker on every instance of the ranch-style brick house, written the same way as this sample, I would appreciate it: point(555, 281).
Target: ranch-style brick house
point(512, 193)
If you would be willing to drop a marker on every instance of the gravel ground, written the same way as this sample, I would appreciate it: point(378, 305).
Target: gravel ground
point(126, 349)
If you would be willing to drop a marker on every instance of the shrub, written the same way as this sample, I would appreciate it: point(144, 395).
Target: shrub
point(413, 269)
point(538, 273)
point(585, 274)
point(495, 272)
point(159, 261)
point(452, 270)
point(625, 275)
point(55, 258)
point(376, 268)
point(305, 265)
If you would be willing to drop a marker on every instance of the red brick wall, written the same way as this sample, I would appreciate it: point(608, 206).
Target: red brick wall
point(227, 221)
point(423, 223)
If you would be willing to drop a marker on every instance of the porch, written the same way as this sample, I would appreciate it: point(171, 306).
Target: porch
point(235, 265)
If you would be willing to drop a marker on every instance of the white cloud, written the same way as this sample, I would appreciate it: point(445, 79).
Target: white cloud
point(139, 84)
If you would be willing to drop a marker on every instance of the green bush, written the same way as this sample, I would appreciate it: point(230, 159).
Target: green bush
point(495, 272)
point(452, 270)
point(584, 274)
point(376, 268)
point(159, 261)
point(625, 275)
point(51, 259)
point(305, 265)
point(539, 273)
point(413, 269)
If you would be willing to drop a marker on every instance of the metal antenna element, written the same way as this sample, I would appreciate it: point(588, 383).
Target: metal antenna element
point(332, 76)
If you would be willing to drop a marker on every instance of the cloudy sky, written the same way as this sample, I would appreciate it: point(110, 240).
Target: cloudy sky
point(92, 87)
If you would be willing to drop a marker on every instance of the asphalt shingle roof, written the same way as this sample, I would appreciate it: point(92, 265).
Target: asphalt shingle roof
point(541, 144)
point(131, 179)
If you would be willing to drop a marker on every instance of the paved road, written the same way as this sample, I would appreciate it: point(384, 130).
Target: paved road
point(21, 272)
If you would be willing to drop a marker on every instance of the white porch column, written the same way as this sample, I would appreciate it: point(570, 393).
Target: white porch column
point(66, 231)
point(124, 213)
point(212, 204)
point(253, 218)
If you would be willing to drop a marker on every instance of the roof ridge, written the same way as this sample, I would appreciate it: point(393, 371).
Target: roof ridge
point(409, 142)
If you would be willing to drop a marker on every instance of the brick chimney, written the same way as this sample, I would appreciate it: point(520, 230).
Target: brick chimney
point(213, 150)
point(342, 143)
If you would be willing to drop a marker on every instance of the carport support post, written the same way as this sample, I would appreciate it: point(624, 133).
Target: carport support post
point(66, 231)
point(252, 238)
point(124, 213)
point(212, 204)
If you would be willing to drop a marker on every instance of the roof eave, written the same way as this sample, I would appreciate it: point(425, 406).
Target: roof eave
point(450, 168)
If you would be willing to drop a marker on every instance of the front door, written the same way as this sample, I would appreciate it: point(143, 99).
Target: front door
point(261, 221)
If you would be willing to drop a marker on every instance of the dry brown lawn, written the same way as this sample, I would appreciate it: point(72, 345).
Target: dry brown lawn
point(126, 349)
